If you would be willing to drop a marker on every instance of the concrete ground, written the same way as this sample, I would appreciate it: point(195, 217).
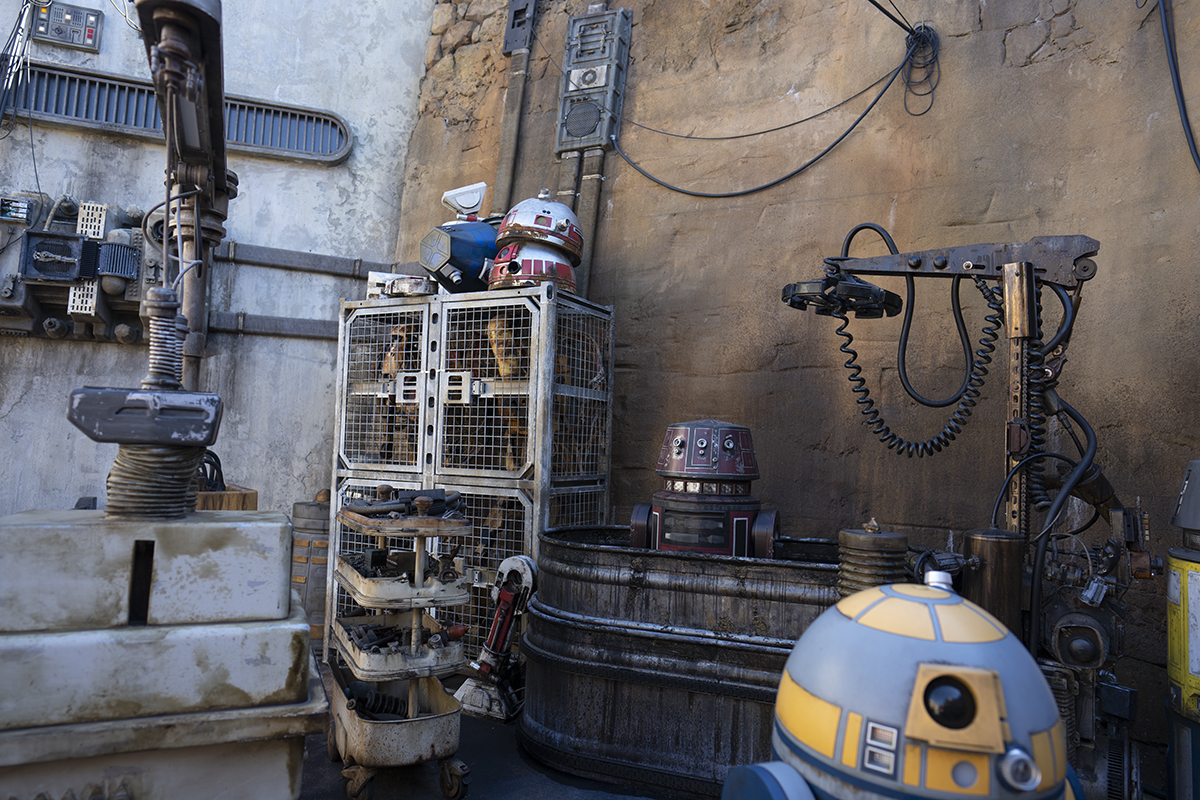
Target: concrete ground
point(499, 770)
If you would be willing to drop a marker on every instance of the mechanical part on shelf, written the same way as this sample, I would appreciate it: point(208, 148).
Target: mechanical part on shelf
point(497, 687)
point(1183, 642)
point(913, 691)
point(994, 583)
point(540, 242)
point(705, 505)
point(870, 557)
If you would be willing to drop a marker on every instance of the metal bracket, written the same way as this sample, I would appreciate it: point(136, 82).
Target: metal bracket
point(456, 388)
point(1062, 260)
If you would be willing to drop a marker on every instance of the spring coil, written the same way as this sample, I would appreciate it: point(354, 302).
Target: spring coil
point(156, 481)
point(1039, 493)
point(370, 701)
point(164, 353)
point(962, 412)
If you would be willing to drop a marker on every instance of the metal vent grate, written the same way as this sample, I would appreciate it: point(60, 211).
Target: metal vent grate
point(56, 94)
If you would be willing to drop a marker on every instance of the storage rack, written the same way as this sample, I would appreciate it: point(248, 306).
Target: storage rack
point(503, 396)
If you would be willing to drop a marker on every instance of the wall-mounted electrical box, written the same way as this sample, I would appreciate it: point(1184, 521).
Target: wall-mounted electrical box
point(594, 80)
point(68, 26)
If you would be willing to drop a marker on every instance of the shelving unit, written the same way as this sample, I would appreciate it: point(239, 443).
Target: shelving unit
point(504, 396)
point(395, 712)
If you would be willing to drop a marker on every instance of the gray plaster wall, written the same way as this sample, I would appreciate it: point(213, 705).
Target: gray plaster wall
point(1052, 117)
point(279, 396)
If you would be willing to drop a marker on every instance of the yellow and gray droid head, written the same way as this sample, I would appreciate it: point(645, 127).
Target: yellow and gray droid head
point(909, 691)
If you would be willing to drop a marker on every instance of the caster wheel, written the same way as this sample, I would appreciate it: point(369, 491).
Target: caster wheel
point(331, 743)
point(454, 779)
point(360, 782)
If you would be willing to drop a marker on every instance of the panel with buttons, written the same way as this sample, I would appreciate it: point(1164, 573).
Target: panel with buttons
point(68, 26)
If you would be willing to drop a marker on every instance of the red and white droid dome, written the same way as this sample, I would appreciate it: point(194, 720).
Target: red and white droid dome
point(540, 241)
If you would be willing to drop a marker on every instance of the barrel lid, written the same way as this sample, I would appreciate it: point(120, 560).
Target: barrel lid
point(872, 539)
point(708, 448)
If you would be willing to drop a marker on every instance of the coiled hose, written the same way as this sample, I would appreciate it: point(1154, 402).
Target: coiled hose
point(968, 395)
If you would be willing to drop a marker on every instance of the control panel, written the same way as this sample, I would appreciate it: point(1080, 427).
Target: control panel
point(68, 26)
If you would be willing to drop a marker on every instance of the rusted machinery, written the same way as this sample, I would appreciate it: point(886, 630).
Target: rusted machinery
point(389, 708)
point(177, 643)
point(1074, 625)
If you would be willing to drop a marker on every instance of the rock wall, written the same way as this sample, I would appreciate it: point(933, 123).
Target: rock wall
point(1051, 117)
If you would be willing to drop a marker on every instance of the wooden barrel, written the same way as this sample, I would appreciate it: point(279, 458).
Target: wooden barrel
point(659, 669)
point(310, 560)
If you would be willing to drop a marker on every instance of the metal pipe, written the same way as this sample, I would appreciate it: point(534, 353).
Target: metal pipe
point(589, 212)
point(298, 261)
point(259, 325)
point(510, 129)
point(568, 178)
point(195, 308)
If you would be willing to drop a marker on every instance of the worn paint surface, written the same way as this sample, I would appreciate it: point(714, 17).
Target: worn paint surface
point(213, 567)
point(277, 430)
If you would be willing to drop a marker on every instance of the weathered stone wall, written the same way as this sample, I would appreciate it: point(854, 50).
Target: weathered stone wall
point(1052, 117)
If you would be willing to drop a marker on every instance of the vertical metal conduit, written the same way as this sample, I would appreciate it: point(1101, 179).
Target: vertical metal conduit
point(589, 212)
point(510, 129)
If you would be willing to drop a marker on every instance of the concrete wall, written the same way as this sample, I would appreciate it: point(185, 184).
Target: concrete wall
point(277, 431)
point(1052, 117)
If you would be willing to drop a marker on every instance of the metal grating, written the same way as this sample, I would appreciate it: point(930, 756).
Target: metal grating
point(499, 524)
point(485, 426)
point(62, 95)
point(577, 506)
point(579, 436)
point(384, 388)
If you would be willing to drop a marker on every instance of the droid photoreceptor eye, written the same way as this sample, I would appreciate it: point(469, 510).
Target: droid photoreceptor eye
point(949, 702)
point(1018, 770)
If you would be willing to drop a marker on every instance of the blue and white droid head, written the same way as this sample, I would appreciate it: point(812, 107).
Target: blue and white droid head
point(909, 691)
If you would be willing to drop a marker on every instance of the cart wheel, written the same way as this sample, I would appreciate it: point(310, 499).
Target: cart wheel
point(360, 783)
point(455, 777)
point(365, 792)
point(331, 743)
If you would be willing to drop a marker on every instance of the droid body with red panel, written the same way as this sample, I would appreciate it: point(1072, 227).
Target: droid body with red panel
point(705, 505)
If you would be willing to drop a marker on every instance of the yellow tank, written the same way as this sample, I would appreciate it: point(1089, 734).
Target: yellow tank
point(1183, 631)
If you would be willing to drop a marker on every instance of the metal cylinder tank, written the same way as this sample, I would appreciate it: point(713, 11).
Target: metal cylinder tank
point(995, 583)
point(630, 649)
point(870, 557)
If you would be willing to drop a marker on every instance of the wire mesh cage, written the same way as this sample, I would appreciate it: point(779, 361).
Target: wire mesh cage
point(509, 402)
point(383, 388)
point(489, 367)
point(501, 526)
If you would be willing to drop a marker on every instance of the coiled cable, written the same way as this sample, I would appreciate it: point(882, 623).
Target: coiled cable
point(966, 402)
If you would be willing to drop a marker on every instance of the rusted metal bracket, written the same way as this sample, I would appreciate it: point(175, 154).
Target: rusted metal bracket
point(1062, 260)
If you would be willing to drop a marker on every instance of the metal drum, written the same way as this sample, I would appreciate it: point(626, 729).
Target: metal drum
point(642, 662)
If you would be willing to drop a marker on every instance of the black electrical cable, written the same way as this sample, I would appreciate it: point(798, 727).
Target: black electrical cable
point(11, 59)
point(1012, 473)
point(922, 71)
point(903, 25)
point(777, 181)
point(962, 412)
point(1068, 321)
point(1039, 558)
point(1166, 14)
point(906, 326)
point(777, 128)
